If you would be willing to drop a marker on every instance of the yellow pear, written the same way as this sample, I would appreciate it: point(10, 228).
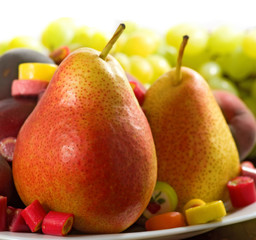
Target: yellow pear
point(87, 148)
point(196, 152)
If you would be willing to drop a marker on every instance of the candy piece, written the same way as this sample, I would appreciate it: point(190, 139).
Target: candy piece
point(28, 88)
point(249, 172)
point(9, 214)
point(57, 223)
point(242, 191)
point(16, 222)
point(7, 146)
point(164, 199)
point(193, 203)
point(59, 54)
point(138, 88)
point(205, 213)
point(247, 164)
point(165, 221)
point(37, 71)
point(3, 214)
point(34, 215)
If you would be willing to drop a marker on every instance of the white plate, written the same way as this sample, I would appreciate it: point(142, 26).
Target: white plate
point(236, 216)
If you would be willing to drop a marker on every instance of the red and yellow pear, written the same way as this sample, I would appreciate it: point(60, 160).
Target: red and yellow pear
point(196, 152)
point(87, 147)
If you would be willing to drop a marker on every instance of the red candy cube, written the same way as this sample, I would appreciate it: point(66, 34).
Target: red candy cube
point(34, 215)
point(242, 191)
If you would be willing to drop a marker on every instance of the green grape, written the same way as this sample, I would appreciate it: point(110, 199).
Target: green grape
point(90, 37)
point(224, 39)
point(82, 36)
point(142, 43)
point(246, 85)
point(58, 33)
point(237, 65)
point(159, 65)
point(3, 47)
point(253, 90)
point(249, 43)
point(222, 61)
point(198, 38)
point(123, 60)
point(118, 46)
point(170, 53)
point(210, 69)
point(141, 69)
point(130, 27)
point(195, 61)
point(74, 46)
point(254, 68)
point(98, 40)
point(243, 93)
point(221, 83)
point(250, 103)
point(25, 42)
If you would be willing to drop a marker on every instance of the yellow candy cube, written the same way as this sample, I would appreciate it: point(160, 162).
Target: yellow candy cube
point(37, 71)
point(205, 213)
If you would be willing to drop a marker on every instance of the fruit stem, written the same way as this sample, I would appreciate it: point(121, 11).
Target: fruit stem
point(112, 41)
point(179, 61)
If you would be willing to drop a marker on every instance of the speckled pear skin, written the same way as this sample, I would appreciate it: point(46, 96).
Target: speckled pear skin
point(196, 152)
point(87, 148)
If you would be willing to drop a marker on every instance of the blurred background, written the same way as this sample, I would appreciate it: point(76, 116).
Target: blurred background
point(221, 46)
point(30, 17)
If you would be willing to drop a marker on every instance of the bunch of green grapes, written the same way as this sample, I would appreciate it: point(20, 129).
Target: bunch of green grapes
point(225, 56)
point(22, 42)
point(141, 53)
point(57, 33)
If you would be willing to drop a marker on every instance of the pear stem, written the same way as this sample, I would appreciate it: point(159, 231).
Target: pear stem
point(112, 41)
point(179, 61)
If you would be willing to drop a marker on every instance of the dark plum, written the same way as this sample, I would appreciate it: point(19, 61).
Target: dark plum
point(7, 188)
point(13, 113)
point(9, 63)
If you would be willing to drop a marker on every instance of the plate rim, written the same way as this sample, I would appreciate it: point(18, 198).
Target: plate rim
point(235, 216)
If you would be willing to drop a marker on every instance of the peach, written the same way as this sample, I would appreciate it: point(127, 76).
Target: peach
point(240, 119)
